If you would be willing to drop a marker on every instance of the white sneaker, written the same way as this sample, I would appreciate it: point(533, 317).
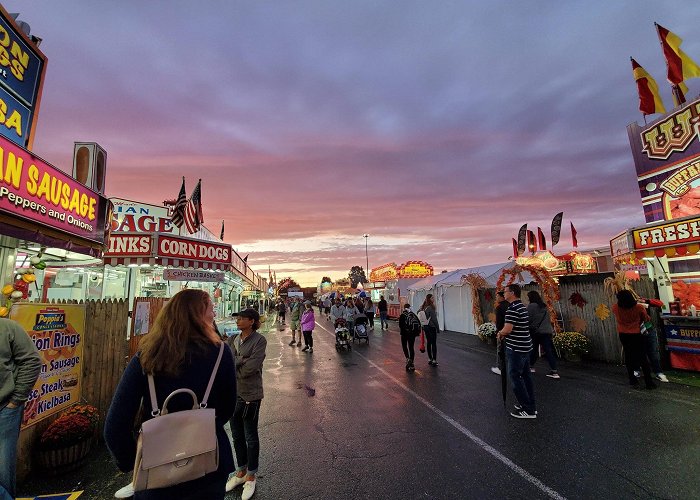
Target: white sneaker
point(248, 490)
point(496, 370)
point(636, 373)
point(234, 481)
point(125, 492)
point(662, 377)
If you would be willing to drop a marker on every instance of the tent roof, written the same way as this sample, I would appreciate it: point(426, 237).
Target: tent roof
point(490, 272)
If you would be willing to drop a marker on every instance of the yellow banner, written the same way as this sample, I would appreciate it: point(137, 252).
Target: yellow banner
point(58, 331)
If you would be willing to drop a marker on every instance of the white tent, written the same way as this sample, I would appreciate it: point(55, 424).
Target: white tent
point(453, 298)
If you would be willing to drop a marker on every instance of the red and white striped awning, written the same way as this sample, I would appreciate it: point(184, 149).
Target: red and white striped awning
point(193, 264)
point(129, 261)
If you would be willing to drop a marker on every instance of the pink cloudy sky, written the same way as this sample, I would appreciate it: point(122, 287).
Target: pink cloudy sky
point(439, 128)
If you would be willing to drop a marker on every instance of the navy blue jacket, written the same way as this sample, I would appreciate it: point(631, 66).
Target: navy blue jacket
point(194, 375)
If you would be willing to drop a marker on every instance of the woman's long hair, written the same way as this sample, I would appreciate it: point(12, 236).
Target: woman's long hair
point(535, 298)
point(625, 299)
point(179, 323)
point(427, 302)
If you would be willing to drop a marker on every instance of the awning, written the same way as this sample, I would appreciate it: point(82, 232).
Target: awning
point(677, 251)
point(129, 261)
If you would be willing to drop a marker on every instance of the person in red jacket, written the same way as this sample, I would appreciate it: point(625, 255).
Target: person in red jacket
point(630, 315)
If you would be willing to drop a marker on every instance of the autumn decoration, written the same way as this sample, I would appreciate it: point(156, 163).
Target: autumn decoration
point(476, 281)
point(577, 299)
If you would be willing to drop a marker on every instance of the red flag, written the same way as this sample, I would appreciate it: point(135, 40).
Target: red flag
point(679, 66)
point(649, 99)
point(531, 242)
point(573, 235)
point(515, 248)
point(540, 239)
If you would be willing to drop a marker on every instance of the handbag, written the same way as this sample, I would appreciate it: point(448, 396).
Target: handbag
point(174, 448)
point(422, 317)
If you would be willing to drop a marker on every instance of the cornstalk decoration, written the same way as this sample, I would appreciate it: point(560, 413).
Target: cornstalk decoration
point(476, 281)
point(550, 288)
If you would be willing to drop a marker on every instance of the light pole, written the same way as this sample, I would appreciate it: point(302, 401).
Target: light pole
point(365, 236)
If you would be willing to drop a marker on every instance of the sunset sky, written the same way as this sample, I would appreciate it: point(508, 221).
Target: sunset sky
point(438, 128)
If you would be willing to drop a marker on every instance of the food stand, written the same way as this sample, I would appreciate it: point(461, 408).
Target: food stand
point(390, 280)
point(666, 156)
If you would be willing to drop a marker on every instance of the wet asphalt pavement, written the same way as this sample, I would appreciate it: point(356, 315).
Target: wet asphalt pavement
point(355, 424)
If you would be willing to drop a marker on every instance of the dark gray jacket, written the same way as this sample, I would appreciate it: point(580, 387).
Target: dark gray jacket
point(539, 319)
point(432, 317)
point(249, 355)
point(20, 363)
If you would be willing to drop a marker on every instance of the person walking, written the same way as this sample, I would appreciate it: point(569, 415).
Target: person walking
point(337, 311)
point(541, 331)
point(249, 351)
point(518, 344)
point(383, 308)
point(294, 318)
point(370, 309)
point(629, 316)
point(431, 329)
point(327, 308)
point(308, 322)
point(180, 352)
point(20, 365)
point(409, 327)
point(501, 308)
point(281, 311)
point(349, 315)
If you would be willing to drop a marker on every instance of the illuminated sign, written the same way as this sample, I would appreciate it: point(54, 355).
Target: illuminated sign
point(620, 245)
point(131, 245)
point(665, 235)
point(36, 191)
point(667, 159)
point(415, 269)
point(545, 259)
point(189, 275)
point(186, 248)
point(22, 68)
point(384, 272)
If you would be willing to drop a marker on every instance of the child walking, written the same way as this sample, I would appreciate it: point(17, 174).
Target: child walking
point(308, 321)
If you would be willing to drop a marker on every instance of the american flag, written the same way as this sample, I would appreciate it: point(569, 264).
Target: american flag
point(193, 210)
point(178, 217)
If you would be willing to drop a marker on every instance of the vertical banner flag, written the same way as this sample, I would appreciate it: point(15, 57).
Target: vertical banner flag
point(221, 237)
point(193, 211)
point(541, 242)
point(556, 228)
point(515, 248)
point(522, 234)
point(531, 242)
point(679, 66)
point(649, 99)
point(573, 235)
point(178, 217)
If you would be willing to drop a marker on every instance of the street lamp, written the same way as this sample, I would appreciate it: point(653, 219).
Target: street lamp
point(365, 236)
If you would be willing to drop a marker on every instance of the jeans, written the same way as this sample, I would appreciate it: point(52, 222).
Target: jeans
point(370, 317)
point(521, 379)
point(408, 346)
point(635, 357)
point(544, 340)
point(431, 341)
point(10, 421)
point(308, 338)
point(383, 315)
point(651, 347)
point(244, 429)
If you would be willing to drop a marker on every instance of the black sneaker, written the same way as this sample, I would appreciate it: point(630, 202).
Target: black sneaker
point(311, 350)
point(292, 343)
point(517, 407)
point(522, 414)
point(306, 348)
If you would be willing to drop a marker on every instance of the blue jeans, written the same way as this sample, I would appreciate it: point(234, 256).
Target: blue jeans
point(521, 379)
point(651, 347)
point(383, 315)
point(244, 429)
point(10, 420)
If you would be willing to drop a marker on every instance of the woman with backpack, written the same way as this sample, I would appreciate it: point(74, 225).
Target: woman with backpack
point(409, 327)
point(541, 332)
point(180, 352)
point(431, 329)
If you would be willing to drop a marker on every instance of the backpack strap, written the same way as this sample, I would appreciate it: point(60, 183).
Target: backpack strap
point(152, 386)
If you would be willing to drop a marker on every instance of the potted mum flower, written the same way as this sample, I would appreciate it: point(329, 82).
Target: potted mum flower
point(68, 438)
point(572, 345)
point(487, 332)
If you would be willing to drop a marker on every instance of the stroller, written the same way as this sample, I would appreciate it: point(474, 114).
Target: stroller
point(359, 331)
point(342, 336)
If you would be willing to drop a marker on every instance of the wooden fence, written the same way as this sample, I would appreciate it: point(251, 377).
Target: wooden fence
point(602, 332)
point(105, 354)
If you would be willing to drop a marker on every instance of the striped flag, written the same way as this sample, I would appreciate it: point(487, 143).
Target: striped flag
point(649, 98)
point(178, 216)
point(679, 66)
point(193, 211)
